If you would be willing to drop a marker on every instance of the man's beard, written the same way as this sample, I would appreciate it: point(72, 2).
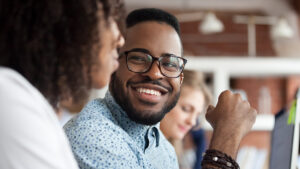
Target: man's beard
point(143, 117)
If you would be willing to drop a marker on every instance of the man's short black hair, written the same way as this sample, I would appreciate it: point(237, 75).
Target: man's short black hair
point(152, 14)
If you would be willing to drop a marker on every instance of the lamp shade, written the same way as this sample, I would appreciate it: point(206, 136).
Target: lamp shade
point(211, 24)
point(281, 29)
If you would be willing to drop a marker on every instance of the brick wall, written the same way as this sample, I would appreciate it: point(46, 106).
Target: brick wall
point(252, 86)
point(231, 42)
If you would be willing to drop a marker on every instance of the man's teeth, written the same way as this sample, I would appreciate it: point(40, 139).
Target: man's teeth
point(149, 91)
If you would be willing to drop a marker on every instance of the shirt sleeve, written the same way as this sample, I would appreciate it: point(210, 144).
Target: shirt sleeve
point(98, 146)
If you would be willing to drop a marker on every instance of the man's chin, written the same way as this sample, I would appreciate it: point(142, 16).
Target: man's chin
point(147, 108)
point(147, 113)
point(146, 117)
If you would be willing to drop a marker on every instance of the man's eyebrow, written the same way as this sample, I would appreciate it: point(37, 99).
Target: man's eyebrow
point(169, 54)
point(140, 50)
point(148, 52)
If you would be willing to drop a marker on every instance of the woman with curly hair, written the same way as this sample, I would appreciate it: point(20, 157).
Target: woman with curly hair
point(51, 51)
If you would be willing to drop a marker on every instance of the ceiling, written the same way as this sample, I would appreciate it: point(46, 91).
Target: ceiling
point(270, 7)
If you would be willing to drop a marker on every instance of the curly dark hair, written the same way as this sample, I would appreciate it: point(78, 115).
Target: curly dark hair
point(52, 42)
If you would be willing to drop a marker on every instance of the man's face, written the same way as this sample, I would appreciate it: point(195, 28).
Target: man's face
point(147, 97)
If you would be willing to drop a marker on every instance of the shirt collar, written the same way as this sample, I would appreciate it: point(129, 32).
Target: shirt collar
point(138, 132)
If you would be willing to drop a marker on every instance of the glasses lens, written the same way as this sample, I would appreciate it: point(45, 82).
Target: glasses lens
point(138, 61)
point(171, 66)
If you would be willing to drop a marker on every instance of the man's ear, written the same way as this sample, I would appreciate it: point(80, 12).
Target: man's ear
point(181, 76)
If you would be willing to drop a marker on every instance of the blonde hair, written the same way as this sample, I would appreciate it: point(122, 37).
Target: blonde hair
point(196, 81)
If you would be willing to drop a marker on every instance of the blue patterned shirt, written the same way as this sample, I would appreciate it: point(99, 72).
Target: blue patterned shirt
point(103, 136)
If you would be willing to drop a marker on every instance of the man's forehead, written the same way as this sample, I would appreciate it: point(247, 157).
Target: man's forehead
point(150, 28)
point(153, 35)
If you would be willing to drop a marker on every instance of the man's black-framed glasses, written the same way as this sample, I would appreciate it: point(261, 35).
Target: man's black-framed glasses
point(139, 61)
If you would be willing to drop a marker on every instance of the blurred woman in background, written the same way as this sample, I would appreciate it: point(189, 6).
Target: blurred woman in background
point(193, 101)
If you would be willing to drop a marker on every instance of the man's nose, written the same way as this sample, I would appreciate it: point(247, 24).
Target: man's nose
point(154, 73)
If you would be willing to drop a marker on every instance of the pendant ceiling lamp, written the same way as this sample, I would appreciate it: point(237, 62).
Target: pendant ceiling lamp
point(211, 24)
point(281, 29)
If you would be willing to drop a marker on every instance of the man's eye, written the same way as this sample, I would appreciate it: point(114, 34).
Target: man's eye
point(137, 59)
point(170, 66)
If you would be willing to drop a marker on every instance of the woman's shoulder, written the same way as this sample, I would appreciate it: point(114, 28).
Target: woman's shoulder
point(14, 85)
point(18, 95)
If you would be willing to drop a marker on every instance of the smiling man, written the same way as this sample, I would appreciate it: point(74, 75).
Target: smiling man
point(122, 130)
point(147, 85)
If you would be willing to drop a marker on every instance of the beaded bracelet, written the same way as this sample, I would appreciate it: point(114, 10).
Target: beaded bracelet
point(219, 159)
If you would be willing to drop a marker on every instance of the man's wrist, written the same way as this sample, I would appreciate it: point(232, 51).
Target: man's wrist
point(226, 141)
point(218, 160)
